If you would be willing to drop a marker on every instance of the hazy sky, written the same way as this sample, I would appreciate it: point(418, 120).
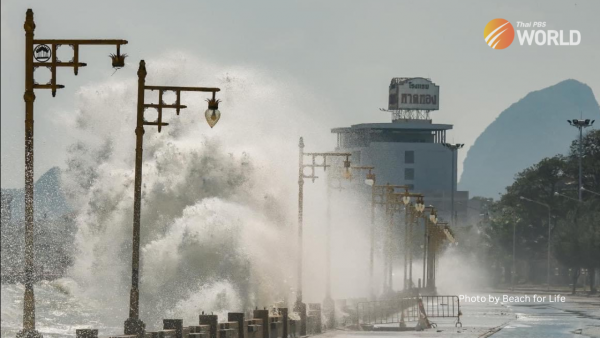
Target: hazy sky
point(343, 52)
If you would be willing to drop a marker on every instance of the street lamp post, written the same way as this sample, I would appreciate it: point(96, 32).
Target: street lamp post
point(549, 228)
point(383, 195)
point(580, 124)
point(438, 232)
point(409, 217)
point(299, 306)
point(44, 54)
point(133, 325)
point(417, 210)
point(328, 303)
point(556, 193)
point(432, 218)
point(371, 179)
point(514, 266)
point(453, 149)
point(392, 203)
point(591, 192)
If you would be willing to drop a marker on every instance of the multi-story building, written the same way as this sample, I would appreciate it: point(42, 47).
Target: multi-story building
point(408, 152)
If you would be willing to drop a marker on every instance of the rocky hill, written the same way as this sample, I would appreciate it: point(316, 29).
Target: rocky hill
point(531, 129)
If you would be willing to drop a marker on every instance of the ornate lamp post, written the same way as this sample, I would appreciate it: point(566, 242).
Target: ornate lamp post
point(328, 303)
point(581, 124)
point(389, 198)
point(133, 325)
point(409, 218)
point(299, 306)
point(370, 181)
point(44, 53)
point(437, 233)
point(414, 212)
point(453, 148)
point(431, 218)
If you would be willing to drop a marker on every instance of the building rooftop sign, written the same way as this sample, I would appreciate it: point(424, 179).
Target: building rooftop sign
point(414, 94)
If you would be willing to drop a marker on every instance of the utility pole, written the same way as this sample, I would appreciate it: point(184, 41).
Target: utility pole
point(580, 124)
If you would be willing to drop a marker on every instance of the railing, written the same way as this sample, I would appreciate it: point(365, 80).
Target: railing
point(403, 310)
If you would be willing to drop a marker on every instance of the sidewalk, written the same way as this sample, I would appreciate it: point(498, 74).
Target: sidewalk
point(478, 319)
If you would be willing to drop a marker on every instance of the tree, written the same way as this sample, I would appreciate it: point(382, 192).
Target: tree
point(576, 225)
point(576, 241)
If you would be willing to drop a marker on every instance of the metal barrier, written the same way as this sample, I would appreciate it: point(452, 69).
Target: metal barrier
point(407, 310)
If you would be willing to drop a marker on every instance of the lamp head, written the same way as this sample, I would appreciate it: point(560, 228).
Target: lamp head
point(347, 174)
point(118, 60)
point(212, 114)
point(370, 179)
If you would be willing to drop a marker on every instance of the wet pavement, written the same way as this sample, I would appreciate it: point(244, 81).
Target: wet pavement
point(576, 317)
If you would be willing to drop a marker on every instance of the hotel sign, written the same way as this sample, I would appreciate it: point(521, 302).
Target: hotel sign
point(414, 94)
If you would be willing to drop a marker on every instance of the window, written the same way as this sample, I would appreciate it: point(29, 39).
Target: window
point(409, 157)
point(410, 186)
point(409, 173)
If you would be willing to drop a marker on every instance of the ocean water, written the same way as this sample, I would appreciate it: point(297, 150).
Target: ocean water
point(219, 206)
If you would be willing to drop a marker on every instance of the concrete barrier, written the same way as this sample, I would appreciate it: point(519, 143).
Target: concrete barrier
point(211, 321)
point(228, 330)
point(303, 319)
point(86, 333)
point(239, 318)
point(174, 324)
point(254, 328)
point(276, 327)
point(264, 316)
point(285, 319)
point(262, 325)
point(162, 334)
point(199, 331)
point(294, 328)
point(314, 313)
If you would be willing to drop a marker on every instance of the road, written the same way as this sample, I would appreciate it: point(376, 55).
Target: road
point(575, 317)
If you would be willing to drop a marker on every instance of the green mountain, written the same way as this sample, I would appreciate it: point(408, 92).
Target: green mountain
point(533, 128)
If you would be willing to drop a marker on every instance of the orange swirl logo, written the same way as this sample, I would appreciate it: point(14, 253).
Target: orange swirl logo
point(499, 33)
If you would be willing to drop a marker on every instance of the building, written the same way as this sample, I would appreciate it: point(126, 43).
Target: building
point(408, 151)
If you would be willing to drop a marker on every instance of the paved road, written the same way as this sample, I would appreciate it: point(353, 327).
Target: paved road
point(576, 317)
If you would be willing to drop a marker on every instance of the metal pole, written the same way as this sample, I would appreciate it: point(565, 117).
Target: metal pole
point(328, 235)
point(391, 252)
point(328, 304)
point(133, 325)
point(580, 165)
point(386, 244)
point(405, 246)
point(549, 227)
point(372, 253)
point(452, 217)
point(514, 257)
point(300, 211)
point(410, 231)
point(29, 98)
point(424, 252)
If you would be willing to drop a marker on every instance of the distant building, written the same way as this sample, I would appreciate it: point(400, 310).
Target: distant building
point(408, 151)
